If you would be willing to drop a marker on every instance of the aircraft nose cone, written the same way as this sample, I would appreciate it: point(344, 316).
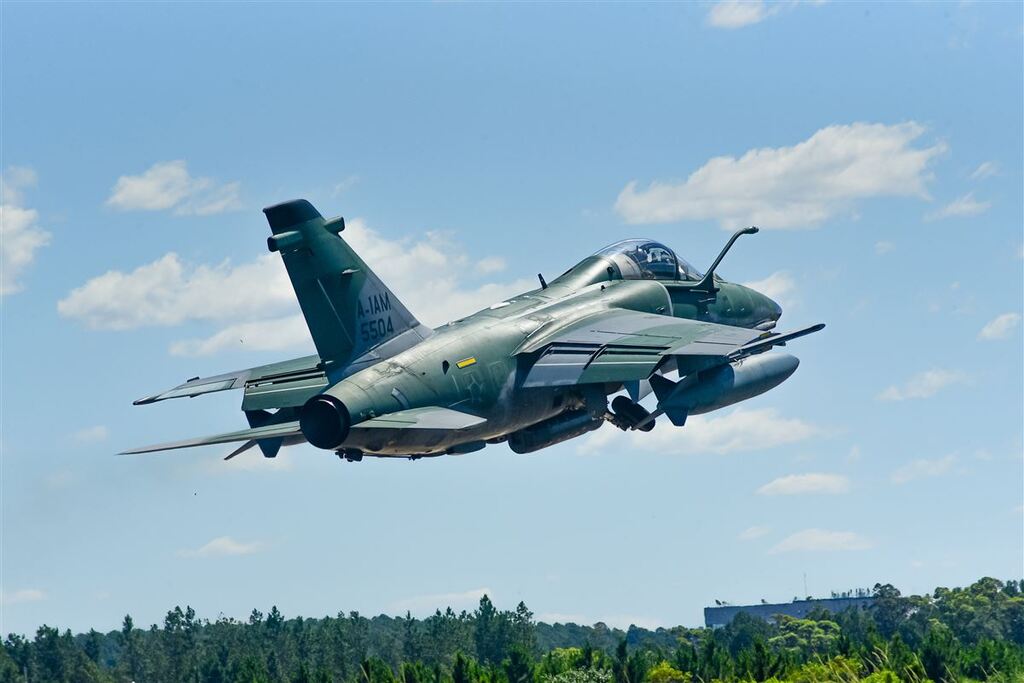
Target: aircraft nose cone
point(774, 310)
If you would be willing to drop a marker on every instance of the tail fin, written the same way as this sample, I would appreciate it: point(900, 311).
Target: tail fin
point(348, 310)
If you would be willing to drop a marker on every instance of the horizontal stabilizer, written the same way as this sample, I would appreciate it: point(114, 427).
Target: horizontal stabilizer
point(277, 385)
point(277, 431)
point(432, 417)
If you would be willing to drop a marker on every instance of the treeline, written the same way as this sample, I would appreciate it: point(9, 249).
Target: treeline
point(961, 634)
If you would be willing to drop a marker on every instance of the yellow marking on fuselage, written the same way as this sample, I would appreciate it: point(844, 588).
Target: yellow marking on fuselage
point(465, 363)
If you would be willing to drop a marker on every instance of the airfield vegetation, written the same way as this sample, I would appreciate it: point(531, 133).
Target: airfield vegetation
point(960, 634)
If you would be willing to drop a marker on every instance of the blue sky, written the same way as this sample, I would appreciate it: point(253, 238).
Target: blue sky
point(470, 147)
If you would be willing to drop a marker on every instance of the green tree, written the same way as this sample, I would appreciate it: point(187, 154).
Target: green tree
point(713, 661)
point(375, 670)
point(49, 656)
point(517, 667)
point(461, 672)
point(92, 645)
point(889, 608)
point(663, 672)
point(940, 654)
point(489, 632)
point(523, 632)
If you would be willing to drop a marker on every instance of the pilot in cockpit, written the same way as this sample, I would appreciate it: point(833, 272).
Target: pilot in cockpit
point(640, 259)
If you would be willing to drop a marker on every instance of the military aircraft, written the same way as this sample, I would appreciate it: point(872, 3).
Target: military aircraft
point(534, 370)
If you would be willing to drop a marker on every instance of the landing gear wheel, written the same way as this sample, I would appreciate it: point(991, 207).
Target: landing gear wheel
point(350, 454)
point(631, 414)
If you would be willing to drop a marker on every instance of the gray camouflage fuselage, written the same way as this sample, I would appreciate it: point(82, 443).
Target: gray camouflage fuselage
point(428, 374)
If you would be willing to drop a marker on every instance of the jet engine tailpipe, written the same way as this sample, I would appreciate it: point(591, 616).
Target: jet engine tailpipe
point(325, 421)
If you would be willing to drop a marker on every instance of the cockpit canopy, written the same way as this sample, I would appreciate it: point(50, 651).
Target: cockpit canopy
point(642, 259)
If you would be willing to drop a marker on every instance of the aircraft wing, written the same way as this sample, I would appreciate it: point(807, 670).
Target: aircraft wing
point(619, 345)
point(278, 385)
point(277, 431)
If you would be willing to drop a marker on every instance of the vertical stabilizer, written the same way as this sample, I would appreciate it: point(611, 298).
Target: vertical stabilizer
point(348, 310)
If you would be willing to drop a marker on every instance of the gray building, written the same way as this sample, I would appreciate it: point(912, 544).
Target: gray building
point(715, 617)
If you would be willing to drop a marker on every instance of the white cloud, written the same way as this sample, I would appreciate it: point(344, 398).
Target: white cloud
point(821, 540)
point(986, 170)
point(923, 385)
point(169, 292)
point(223, 546)
point(92, 434)
point(427, 274)
point(490, 264)
point(796, 484)
point(423, 604)
point(22, 596)
point(923, 468)
point(738, 13)
point(20, 234)
point(884, 247)
point(276, 334)
point(346, 184)
point(738, 431)
point(966, 205)
point(168, 185)
point(792, 187)
point(59, 479)
point(754, 532)
point(733, 14)
point(254, 305)
point(999, 327)
point(14, 181)
point(779, 286)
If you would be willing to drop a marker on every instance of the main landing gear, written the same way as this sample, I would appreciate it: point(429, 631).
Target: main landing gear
point(350, 454)
point(627, 414)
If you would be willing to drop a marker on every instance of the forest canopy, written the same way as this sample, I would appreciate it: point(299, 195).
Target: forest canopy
point(958, 634)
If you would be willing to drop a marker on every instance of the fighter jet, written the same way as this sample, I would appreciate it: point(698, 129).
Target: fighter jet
point(533, 370)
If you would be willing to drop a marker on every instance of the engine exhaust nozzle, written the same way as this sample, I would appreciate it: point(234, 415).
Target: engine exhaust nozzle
point(325, 421)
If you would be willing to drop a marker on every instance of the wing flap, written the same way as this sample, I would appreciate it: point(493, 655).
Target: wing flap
point(574, 363)
point(277, 431)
